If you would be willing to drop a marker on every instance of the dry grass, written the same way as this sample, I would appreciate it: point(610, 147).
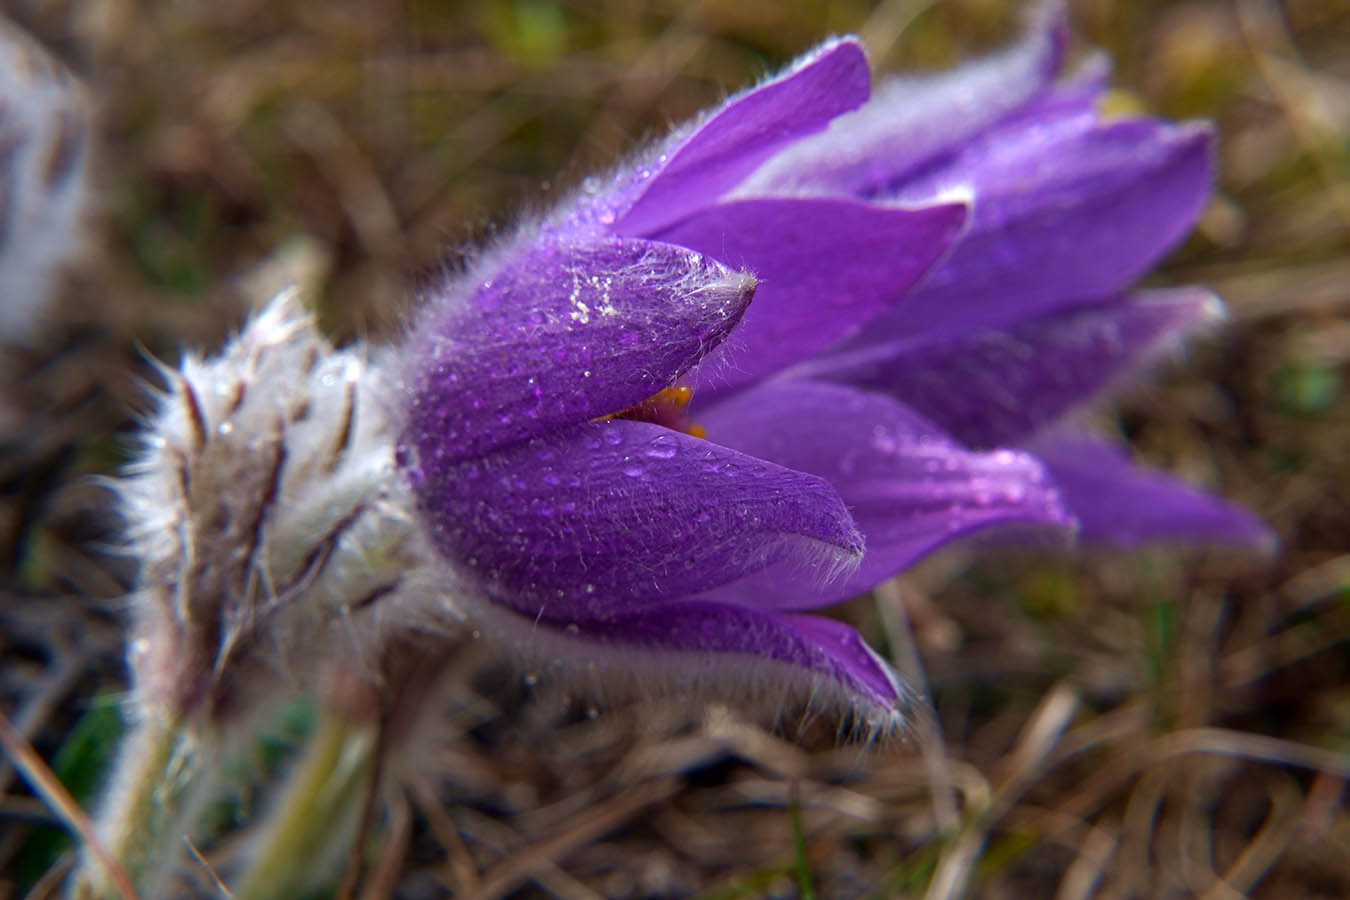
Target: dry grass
point(1170, 724)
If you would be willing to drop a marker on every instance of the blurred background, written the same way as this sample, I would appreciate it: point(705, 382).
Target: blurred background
point(1171, 723)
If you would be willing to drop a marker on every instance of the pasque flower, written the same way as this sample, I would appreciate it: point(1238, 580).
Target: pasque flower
point(631, 464)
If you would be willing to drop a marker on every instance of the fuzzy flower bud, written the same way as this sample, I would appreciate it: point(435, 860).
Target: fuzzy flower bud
point(264, 517)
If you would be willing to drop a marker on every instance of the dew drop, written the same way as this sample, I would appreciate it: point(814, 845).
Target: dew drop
point(883, 441)
point(661, 448)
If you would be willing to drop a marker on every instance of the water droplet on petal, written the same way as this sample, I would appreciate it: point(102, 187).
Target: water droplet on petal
point(882, 440)
point(662, 448)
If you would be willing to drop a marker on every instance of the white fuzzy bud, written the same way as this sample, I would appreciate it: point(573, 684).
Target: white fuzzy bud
point(270, 523)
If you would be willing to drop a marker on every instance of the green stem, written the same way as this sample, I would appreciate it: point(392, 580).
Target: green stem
point(144, 817)
point(307, 833)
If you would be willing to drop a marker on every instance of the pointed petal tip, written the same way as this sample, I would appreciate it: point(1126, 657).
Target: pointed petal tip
point(1253, 533)
point(847, 48)
point(1049, 21)
point(1126, 506)
point(1210, 306)
point(1193, 136)
point(706, 161)
point(958, 198)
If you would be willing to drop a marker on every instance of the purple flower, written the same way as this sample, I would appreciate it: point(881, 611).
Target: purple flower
point(940, 279)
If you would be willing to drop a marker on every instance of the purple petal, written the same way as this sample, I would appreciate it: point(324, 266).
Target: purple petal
point(998, 387)
point(832, 80)
point(718, 650)
point(910, 487)
point(1125, 505)
point(825, 266)
point(1066, 211)
point(613, 516)
point(559, 333)
point(913, 121)
point(1076, 95)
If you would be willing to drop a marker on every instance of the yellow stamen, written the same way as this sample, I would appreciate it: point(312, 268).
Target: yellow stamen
point(666, 407)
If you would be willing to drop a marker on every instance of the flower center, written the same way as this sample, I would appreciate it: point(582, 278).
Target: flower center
point(668, 407)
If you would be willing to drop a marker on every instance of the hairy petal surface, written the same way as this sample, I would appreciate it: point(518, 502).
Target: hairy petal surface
point(721, 650)
point(698, 167)
point(1067, 212)
point(1125, 505)
point(558, 333)
point(827, 266)
point(1001, 386)
point(911, 122)
point(613, 516)
point(910, 487)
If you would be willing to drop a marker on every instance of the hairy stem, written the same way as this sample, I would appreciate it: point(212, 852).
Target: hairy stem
point(152, 798)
